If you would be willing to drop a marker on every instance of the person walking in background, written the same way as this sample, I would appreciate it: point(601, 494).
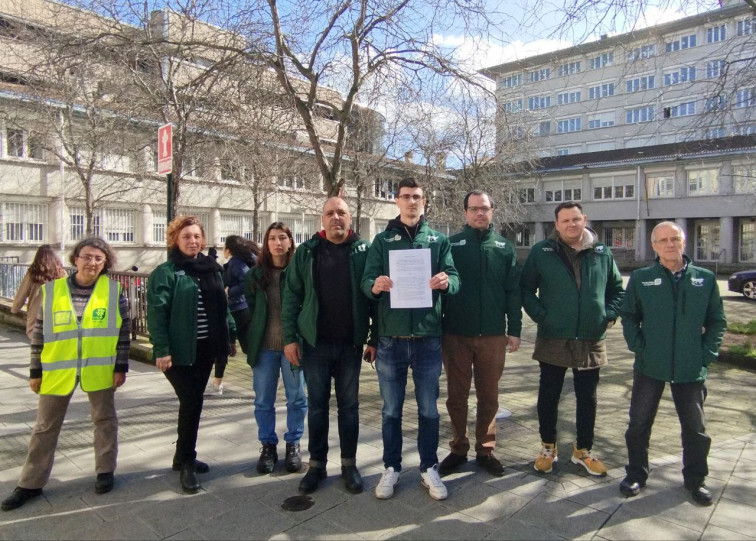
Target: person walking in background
point(325, 311)
point(80, 337)
point(190, 329)
point(409, 337)
point(480, 322)
point(673, 320)
point(263, 287)
point(572, 289)
point(44, 268)
point(240, 254)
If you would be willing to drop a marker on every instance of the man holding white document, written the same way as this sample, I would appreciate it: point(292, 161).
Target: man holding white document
point(409, 266)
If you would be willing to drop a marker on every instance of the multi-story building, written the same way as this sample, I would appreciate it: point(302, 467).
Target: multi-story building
point(646, 126)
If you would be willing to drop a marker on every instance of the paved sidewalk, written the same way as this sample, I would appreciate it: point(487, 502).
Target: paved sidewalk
point(238, 503)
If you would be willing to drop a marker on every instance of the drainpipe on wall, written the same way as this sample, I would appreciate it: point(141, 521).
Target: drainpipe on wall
point(62, 169)
point(638, 238)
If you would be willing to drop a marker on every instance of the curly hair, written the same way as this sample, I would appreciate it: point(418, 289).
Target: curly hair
point(266, 259)
point(98, 243)
point(46, 265)
point(179, 223)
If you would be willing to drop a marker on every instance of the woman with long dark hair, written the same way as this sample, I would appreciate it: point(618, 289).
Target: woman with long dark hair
point(190, 329)
point(46, 267)
point(241, 255)
point(262, 288)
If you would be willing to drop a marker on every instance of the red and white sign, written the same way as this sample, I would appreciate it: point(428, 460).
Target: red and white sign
point(165, 149)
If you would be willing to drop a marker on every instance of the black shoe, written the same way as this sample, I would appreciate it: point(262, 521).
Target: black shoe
point(451, 463)
point(630, 488)
point(19, 497)
point(312, 479)
point(104, 483)
point(188, 477)
point(293, 457)
point(352, 479)
point(491, 464)
point(268, 458)
point(701, 495)
point(199, 466)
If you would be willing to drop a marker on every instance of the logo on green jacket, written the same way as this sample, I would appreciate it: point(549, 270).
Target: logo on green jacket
point(500, 244)
point(655, 282)
point(460, 243)
point(98, 314)
point(698, 282)
point(397, 237)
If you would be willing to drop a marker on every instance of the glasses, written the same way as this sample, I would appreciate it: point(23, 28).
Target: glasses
point(410, 197)
point(97, 259)
point(476, 210)
point(673, 240)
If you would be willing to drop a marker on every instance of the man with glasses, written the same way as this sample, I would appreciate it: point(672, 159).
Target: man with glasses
point(673, 320)
point(409, 337)
point(480, 322)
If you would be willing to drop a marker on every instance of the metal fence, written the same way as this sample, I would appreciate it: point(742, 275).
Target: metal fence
point(134, 285)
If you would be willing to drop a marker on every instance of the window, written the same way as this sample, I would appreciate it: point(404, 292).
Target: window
point(602, 61)
point(703, 182)
point(118, 226)
point(557, 191)
point(302, 228)
point(640, 83)
point(747, 250)
point(78, 220)
point(540, 75)
point(715, 103)
point(526, 195)
point(683, 42)
point(614, 187)
point(231, 171)
point(684, 109)
point(292, 182)
point(22, 222)
point(523, 238)
point(539, 102)
point(601, 91)
point(715, 68)
point(513, 106)
point(682, 75)
point(385, 189)
point(159, 219)
point(14, 140)
point(568, 97)
point(715, 34)
point(570, 68)
point(569, 125)
point(511, 81)
point(746, 27)
point(600, 146)
point(715, 133)
point(707, 241)
point(563, 151)
point(619, 237)
point(236, 224)
point(544, 128)
point(661, 185)
point(747, 130)
point(640, 114)
point(745, 97)
point(646, 51)
point(601, 120)
point(744, 179)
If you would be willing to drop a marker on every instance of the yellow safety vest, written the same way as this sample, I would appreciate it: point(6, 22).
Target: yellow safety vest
point(86, 349)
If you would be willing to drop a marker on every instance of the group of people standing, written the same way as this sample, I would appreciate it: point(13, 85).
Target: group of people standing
point(311, 315)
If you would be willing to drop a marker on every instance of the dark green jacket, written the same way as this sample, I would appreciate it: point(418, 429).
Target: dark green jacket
point(300, 301)
point(560, 309)
point(489, 293)
point(172, 315)
point(405, 321)
point(257, 303)
point(663, 322)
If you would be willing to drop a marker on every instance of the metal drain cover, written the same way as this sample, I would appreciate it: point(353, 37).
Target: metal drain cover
point(297, 503)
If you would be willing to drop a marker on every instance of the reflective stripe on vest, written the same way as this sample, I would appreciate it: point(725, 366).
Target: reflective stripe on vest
point(86, 348)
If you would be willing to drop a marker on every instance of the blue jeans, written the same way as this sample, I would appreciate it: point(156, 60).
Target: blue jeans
point(265, 383)
point(395, 357)
point(644, 402)
point(342, 363)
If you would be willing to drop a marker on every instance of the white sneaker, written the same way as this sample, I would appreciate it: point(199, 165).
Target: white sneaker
point(432, 481)
point(385, 488)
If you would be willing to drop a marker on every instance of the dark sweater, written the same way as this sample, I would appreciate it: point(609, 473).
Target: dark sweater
point(333, 285)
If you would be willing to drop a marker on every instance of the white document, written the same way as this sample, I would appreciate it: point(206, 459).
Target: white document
point(410, 271)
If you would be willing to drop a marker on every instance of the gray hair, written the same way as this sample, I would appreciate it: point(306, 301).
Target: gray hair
point(667, 224)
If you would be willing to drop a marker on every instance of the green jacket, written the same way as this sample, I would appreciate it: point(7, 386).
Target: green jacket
point(299, 310)
point(489, 293)
point(414, 321)
point(257, 303)
point(172, 315)
point(663, 321)
point(561, 310)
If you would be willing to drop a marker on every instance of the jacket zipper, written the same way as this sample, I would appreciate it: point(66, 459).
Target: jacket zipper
point(674, 325)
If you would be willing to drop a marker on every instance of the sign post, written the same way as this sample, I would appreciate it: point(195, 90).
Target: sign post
point(165, 162)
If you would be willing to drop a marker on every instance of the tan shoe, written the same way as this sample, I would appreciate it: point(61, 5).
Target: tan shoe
point(545, 460)
point(586, 459)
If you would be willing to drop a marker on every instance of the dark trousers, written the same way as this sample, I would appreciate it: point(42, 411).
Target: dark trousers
point(190, 382)
point(342, 363)
point(549, 391)
point(242, 318)
point(644, 402)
